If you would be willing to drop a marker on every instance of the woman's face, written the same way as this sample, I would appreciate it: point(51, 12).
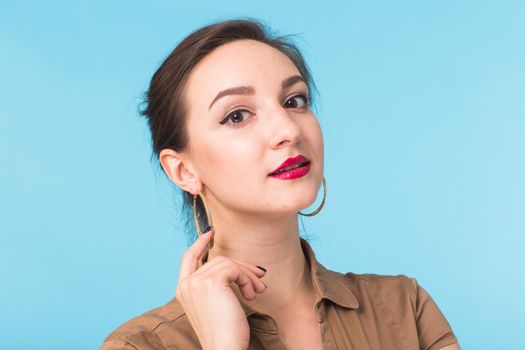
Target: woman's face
point(237, 140)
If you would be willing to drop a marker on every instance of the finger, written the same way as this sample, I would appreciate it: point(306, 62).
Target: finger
point(190, 258)
point(258, 285)
point(235, 273)
point(259, 272)
point(245, 284)
point(255, 272)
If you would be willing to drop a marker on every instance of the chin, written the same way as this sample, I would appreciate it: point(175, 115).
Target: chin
point(309, 201)
point(300, 202)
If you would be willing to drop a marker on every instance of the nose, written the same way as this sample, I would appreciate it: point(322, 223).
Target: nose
point(284, 129)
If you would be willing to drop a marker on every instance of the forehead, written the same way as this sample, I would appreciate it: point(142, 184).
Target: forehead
point(240, 62)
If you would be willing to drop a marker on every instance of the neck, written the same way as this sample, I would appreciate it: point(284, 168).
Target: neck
point(273, 244)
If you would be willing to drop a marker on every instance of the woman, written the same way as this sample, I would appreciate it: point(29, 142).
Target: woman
point(230, 116)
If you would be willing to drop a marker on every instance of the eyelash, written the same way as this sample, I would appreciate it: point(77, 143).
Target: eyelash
point(306, 98)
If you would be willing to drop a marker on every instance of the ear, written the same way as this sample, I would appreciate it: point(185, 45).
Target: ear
point(176, 167)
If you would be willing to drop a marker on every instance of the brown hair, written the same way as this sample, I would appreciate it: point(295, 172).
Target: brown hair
point(165, 107)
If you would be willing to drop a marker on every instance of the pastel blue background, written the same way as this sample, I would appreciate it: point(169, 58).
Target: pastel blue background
point(423, 111)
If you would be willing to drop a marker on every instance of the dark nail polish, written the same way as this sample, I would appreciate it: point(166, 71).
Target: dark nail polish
point(262, 268)
point(208, 229)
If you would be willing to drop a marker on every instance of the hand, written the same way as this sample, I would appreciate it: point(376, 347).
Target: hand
point(212, 307)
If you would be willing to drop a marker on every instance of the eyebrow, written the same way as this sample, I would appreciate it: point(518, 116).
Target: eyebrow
point(249, 90)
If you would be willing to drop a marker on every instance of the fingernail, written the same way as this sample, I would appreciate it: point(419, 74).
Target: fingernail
point(208, 229)
point(262, 268)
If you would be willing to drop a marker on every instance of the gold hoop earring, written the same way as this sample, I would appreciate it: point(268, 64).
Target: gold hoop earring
point(208, 216)
point(322, 203)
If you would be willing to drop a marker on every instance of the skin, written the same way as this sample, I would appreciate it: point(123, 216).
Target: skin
point(255, 216)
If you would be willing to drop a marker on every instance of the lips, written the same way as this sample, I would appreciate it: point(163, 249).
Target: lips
point(291, 163)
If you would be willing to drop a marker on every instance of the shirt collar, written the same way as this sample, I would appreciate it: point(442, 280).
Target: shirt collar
point(330, 285)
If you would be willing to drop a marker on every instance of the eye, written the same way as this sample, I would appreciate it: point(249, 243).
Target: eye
point(295, 104)
point(237, 118)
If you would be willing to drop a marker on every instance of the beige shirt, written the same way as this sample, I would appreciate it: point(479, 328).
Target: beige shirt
point(354, 311)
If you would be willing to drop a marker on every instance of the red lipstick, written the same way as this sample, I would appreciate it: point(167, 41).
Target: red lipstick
point(292, 168)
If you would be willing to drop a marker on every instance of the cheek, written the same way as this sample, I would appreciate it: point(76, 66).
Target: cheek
point(232, 161)
point(316, 142)
point(319, 136)
point(233, 171)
